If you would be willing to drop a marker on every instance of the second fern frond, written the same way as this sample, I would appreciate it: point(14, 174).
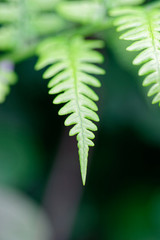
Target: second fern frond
point(142, 25)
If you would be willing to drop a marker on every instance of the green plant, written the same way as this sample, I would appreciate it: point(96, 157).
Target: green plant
point(68, 34)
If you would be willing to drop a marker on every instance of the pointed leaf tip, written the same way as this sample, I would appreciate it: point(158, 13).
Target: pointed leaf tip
point(83, 178)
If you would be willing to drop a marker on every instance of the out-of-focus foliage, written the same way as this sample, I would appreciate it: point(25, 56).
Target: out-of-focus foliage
point(23, 22)
point(116, 3)
point(7, 78)
point(21, 218)
point(85, 12)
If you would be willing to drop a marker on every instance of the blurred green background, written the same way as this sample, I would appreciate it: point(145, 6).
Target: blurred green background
point(121, 199)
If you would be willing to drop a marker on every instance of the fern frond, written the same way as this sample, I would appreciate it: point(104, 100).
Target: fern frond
point(7, 78)
point(142, 25)
point(72, 62)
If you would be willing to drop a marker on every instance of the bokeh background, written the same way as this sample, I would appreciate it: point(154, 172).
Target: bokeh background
point(41, 195)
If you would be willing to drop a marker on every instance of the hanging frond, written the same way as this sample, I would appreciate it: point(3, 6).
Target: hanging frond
point(72, 63)
point(7, 78)
point(142, 25)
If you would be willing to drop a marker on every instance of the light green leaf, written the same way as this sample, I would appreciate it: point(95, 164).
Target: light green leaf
point(70, 76)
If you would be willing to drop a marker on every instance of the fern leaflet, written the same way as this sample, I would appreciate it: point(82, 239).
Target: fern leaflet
point(143, 26)
point(72, 63)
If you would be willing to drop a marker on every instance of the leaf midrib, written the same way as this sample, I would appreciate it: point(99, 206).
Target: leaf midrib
point(73, 60)
point(151, 28)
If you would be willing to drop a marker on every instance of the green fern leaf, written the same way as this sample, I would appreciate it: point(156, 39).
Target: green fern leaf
point(72, 63)
point(142, 25)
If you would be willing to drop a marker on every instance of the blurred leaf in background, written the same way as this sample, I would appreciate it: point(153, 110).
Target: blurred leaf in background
point(7, 78)
point(21, 218)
